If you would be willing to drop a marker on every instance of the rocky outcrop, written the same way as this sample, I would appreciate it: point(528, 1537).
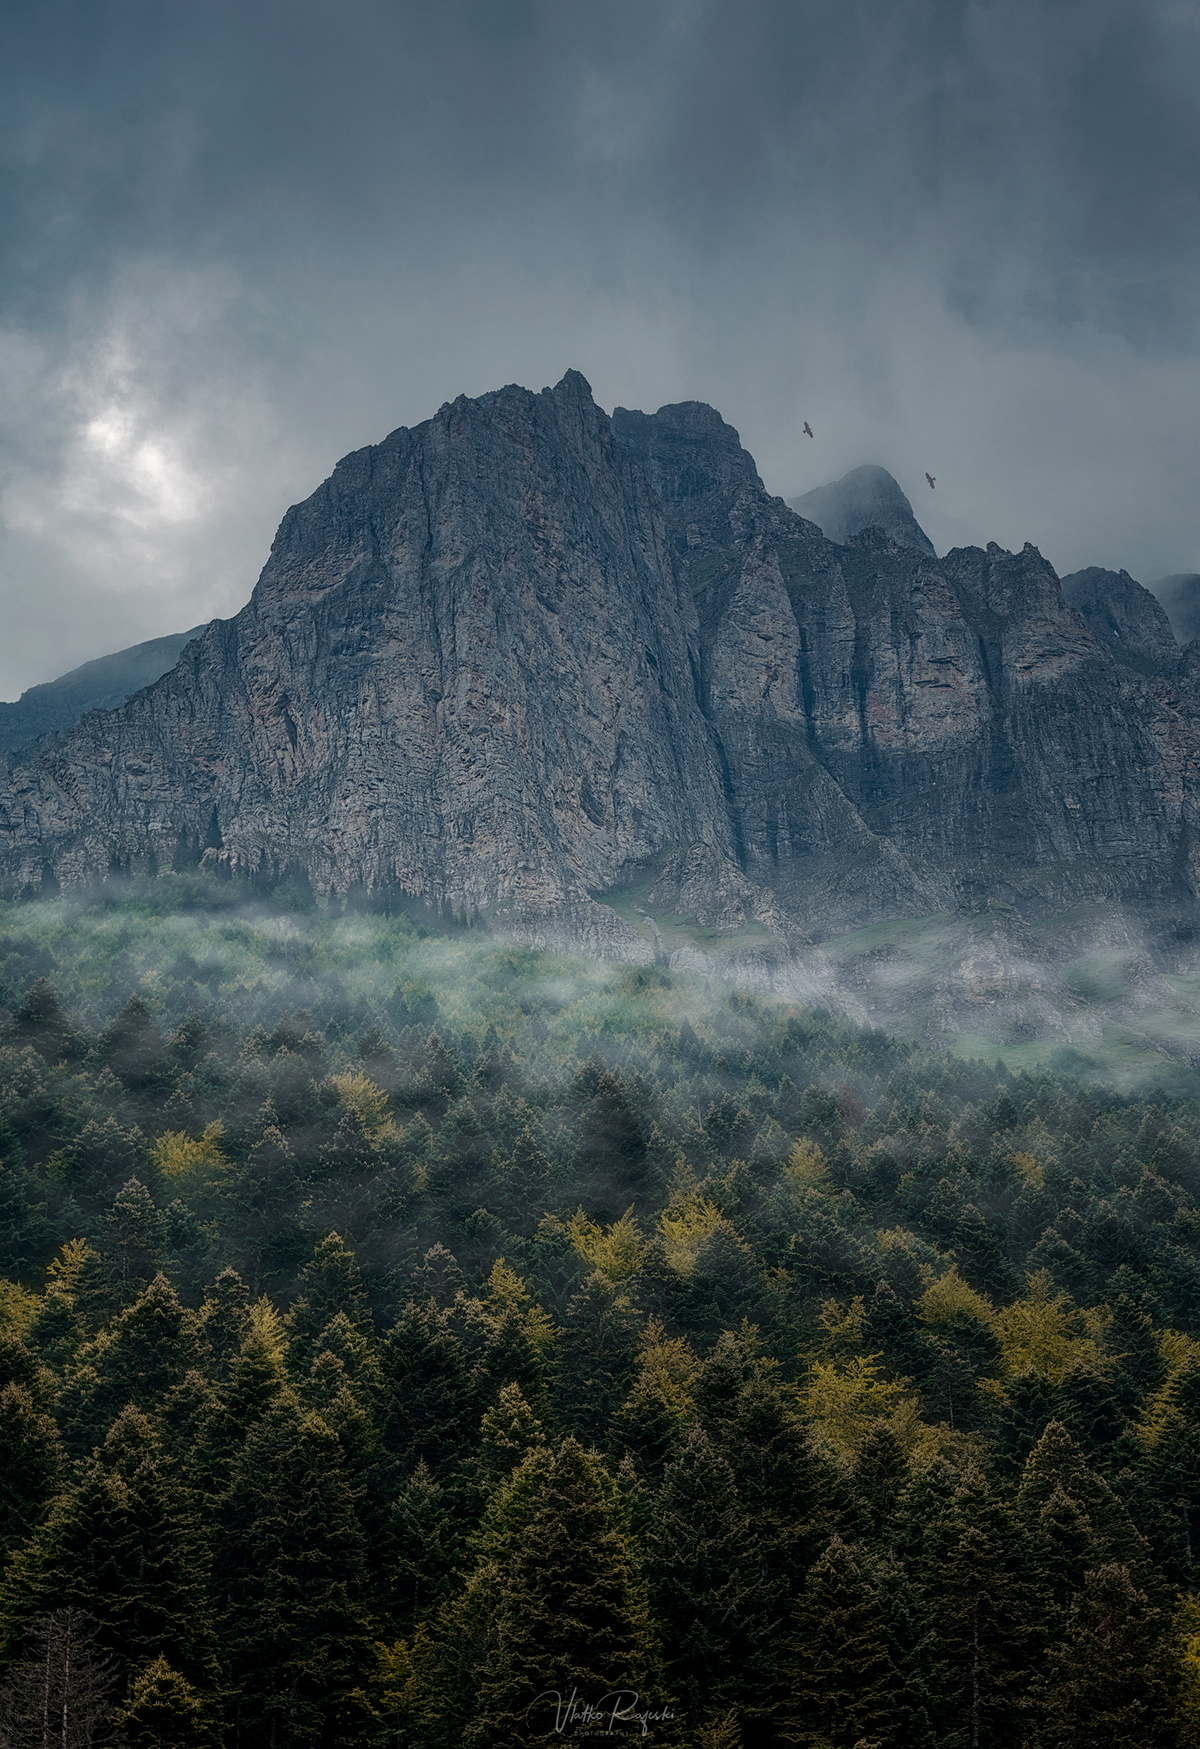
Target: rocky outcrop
point(1126, 618)
point(583, 674)
point(96, 686)
point(864, 498)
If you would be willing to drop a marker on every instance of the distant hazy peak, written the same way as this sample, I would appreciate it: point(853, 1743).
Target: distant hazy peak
point(99, 685)
point(1180, 596)
point(866, 497)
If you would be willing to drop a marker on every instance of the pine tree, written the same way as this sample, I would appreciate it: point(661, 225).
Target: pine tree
point(122, 1546)
point(977, 1610)
point(291, 1573)
point(597, 1358)
point(164, 1711)
point(1111, 1680)
point(330, 1282)
point(561, 1602)
point(31, 1464)
point(844, 1686)
point(60, 1692)
point(707, 1580)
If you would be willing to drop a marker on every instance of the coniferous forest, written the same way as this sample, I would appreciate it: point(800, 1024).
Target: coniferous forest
point(449, 1344)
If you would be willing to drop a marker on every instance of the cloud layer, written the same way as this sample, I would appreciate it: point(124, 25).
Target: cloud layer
point(245, 238)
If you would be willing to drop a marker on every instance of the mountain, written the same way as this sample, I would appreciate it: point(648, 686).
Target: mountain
point(97, 686)
point(1180, 596)
point(583, 676)
point(864, 498)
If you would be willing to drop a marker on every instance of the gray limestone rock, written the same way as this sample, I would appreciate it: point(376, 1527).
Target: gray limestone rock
point(583, 676)
point(864, 498)
point(1128, 619)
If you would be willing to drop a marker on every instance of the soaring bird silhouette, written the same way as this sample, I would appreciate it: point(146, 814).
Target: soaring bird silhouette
point(808, 430)
point(931, 480)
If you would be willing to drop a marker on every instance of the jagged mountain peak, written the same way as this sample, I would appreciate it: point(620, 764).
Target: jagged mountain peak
point(523, 659)
point(866, 497)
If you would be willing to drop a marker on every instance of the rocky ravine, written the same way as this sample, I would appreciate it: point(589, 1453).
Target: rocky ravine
point(526, 657)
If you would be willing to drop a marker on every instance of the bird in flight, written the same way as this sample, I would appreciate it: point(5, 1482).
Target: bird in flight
point(930, 478)
point(808, 430)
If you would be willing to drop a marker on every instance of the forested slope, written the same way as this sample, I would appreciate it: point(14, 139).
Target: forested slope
point(369, 1373)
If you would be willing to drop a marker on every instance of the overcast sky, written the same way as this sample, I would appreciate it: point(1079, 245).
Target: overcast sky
point(241, 237)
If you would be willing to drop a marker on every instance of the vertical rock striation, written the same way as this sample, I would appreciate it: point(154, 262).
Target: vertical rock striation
point(524, 654)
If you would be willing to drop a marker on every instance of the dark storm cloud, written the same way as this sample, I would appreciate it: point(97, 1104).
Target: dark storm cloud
point(243, 238)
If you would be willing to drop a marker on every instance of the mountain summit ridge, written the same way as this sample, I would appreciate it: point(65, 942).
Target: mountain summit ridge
point(525, 656)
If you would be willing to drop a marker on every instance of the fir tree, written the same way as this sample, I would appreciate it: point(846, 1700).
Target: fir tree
point(597, 1358)
point(330, 1282)
point(557, 1607)
point(132, 1047)
point(1169, 1474)
point(132, 1236)
point(225, 1318)
point(164, 1711)
point(879, 1477)
point(707, 1580)
point(145, 1351)
point(508, 1433)
point(424, 1544)
point(844, 1686)
point(1112, 1680)
point(432, 1406)
point(31, 1463)
point(122, 1545)
point(978, 1614)
point(39, 1021)
point(1057, 1465)
point(291, 1573)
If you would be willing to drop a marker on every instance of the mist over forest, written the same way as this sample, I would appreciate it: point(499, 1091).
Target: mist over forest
point(394, 1317)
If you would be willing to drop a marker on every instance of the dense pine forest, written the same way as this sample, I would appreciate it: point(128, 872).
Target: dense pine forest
point(426, 1341)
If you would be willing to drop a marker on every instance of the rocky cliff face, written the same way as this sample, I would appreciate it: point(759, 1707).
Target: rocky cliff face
point(1126, 618)
point(525, 658)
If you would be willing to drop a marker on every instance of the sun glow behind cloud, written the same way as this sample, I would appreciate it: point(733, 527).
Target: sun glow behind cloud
point(251, 238)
